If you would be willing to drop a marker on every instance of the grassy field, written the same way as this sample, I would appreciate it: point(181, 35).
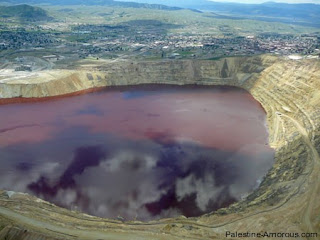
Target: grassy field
point(185, 21)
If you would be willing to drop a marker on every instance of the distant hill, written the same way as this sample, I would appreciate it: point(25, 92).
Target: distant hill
point(94, 2)
point(300, 14)
point(175, 3)
point(24, 12)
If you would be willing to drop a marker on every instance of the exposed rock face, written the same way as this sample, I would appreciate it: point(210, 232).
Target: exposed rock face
point(286, 201)
point(230, 71)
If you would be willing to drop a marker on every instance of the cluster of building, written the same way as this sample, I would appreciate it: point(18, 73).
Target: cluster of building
point(15, 40)
point(103, 41)
point(206, 46)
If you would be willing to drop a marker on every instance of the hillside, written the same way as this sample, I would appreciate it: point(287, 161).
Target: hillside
point(24, 12)
point(94, 2)
point(296, 14)
point(302, 14)
point(299, 14)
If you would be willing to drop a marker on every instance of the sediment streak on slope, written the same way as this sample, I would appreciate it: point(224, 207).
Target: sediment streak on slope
point(314, 179)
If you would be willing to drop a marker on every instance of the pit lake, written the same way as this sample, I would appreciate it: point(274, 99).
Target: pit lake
point(143, 152)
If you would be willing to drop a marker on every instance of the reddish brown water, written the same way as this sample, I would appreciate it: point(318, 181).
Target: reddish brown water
point(138, 152)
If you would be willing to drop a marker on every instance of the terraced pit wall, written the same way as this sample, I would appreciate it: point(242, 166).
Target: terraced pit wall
point(288, 90)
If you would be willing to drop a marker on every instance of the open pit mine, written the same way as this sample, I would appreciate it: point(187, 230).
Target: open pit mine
point(287, 199)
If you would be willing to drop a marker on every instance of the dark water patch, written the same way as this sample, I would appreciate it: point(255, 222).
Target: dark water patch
point(90, 110)
point(16, 127)
point(164, 153)
point(24, 166)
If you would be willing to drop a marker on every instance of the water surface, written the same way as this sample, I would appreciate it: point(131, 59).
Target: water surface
point(142, 153)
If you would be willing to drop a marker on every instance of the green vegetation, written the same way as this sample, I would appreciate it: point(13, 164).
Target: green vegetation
point(185, 53)
point(189, 22)
point(24, 12)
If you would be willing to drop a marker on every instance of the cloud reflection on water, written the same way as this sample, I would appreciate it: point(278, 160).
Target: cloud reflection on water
point(109, 176)
point(137, 154)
